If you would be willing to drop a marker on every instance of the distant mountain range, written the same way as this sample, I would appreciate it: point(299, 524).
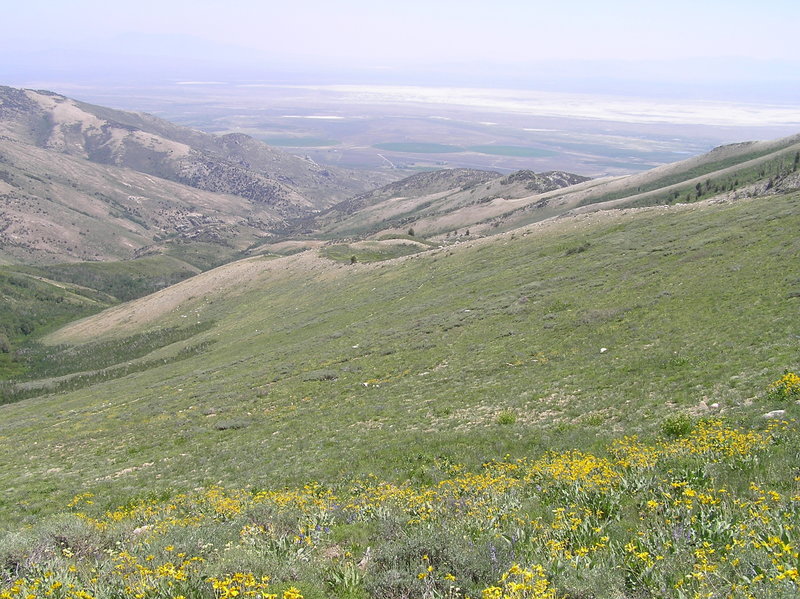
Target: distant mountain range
point(80, 182)
point(441, 204)
point(436, 203)
point(83, 182)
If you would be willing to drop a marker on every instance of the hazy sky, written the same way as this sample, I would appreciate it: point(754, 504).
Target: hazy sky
point(372, 34)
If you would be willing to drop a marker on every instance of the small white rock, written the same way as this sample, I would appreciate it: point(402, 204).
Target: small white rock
point(603, 350)
point(775, 414)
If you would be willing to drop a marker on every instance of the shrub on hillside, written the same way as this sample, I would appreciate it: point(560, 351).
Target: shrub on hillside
point(676, 425)
point(785, 388)
point(324, 374)
point(506, 417)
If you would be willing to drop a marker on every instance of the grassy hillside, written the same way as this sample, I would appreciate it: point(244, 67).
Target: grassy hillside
point(32, 306)
point(560, 336)
point(691, 514)
point(34, 300)
point(467, 414)
point(122, 280)
point(713, 177)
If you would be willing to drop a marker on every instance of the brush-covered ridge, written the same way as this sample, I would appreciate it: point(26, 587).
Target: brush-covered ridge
point(692, 513)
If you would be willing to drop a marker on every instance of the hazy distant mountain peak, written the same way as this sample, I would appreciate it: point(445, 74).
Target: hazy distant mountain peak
point(85, 182)
point(233, 163)
point(79, 132)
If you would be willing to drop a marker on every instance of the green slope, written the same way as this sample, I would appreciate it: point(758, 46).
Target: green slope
point(124, 280)
point(34, 300)
point(30, 306)
point(468, 353)
point(690, 514)
point(712, 176)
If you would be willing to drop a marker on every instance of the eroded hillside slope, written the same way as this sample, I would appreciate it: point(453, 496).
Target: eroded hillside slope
point(83, 182)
